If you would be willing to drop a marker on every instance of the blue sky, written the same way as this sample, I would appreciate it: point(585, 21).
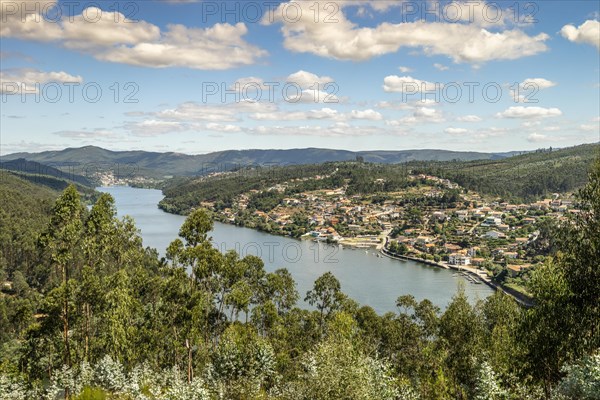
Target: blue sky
point(358, 75)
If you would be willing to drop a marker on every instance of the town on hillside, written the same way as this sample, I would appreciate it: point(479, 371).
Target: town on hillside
point(433, 220)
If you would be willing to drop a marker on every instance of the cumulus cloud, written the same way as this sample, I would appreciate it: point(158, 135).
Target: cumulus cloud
point(529, 112)
point(441, 67)
point(395, 83)
point(152, 127)
point(338, 129)
point(536, 137)
point(201, 112)
point(528, 88)
point(109, 36)
point(227, 128)
point(406, 105)
point(321, 114)
point(366, 114)
point(249, 84)
point(456, 131)
point(539, 83)
point(28, 80)
point(345, 40)
point(420, 115)
point(469, 118)
point(291, 95)
point(307, 80)
point(588, 32)
point(95, 134)
point(404, 70)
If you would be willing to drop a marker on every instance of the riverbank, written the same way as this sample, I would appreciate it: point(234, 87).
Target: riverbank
point(473, 272)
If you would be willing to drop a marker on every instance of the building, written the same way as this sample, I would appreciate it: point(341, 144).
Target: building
point(495, 235)
point(492, 221)
point(459, 259)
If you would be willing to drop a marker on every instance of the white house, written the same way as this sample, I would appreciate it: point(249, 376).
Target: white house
point(459, 259)
point(492, 221)
point(495, 235)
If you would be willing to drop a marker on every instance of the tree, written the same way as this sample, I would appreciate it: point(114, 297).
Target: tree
point(196, 227)
point(461, 333)
point(61, 241)
point(281, 289)
point(582, 379)
point(326, 296)
point(563, 325)
point(337, 369)
point(119, 328)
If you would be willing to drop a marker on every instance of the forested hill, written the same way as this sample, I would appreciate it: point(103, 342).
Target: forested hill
point(160, 164)
point(32, 170)
point(25, 210)
point(524, 177)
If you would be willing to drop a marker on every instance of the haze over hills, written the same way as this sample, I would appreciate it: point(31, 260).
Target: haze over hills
point(154, 163)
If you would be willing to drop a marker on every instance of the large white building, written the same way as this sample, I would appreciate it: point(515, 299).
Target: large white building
point(459, 259)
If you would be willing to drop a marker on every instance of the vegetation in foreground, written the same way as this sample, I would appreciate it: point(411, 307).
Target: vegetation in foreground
point(87, 313)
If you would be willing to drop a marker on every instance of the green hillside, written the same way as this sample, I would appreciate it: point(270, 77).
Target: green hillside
point(524, 177)
point(25, 211)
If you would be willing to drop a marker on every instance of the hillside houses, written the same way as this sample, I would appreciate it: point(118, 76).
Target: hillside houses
point(470, 231)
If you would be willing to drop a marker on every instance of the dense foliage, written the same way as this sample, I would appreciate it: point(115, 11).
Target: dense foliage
point(87, 313)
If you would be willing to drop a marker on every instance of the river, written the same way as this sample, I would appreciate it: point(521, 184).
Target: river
point(368, 279)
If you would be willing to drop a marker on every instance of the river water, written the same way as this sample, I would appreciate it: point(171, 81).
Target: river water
point(368, 279)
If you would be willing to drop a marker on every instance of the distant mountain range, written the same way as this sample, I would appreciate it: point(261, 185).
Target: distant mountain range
point(165, 164)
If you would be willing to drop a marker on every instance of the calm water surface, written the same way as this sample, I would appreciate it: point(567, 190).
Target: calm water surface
point(366, 278)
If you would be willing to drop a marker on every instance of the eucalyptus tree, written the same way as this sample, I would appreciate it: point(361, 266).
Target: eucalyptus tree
point(563, 325)
point(326, 296)
point(61, 242)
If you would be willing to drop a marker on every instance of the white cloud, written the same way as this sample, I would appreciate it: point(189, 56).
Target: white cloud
point(420, 115)
point(321, 114)
point(395, 83)
point(196, 112)
point(528, 89)
point(152, 127)
point(308, 80)
point(338, 129)
point(404, 70)
point(406, 105)
point(249, 84)
point(537, 137)
point(441, 67)
point(469, 118)
point(95, 134)
point(592, 127)
point(109, 36)
point(366, 114)
point(456, 131)
point(345, 40)
point(310, 96)
point(228, 128)
point(588, 32)
point(538, 83)
point(529, 112)
point(28, 80)
point(493, 131)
